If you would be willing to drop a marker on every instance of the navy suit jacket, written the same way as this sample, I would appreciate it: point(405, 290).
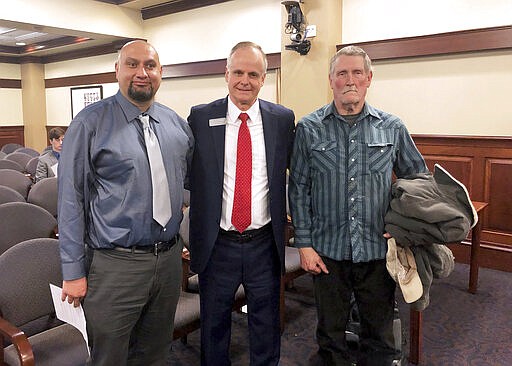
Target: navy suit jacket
point(207, 174)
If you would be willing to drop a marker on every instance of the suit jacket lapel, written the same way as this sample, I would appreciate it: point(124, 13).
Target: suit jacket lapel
point(270, 134)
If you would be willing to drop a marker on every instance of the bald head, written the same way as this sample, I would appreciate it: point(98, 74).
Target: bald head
point(139, 73)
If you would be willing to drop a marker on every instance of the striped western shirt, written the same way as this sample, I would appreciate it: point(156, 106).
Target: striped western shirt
point(340, 180)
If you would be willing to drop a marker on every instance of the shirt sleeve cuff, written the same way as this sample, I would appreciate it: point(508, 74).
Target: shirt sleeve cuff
point(73, 271)
point(302, 238)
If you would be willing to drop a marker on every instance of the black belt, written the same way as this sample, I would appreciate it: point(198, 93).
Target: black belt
point(156, 248)
point(247, 235)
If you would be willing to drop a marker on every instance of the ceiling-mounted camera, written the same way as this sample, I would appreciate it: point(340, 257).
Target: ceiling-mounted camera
point(296, 37)
point(296, 28)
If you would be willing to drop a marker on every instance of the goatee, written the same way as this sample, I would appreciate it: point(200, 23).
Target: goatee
point(140, 95)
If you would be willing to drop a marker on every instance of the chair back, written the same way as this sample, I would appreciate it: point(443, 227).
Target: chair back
point(15, 180)
point(9, 195)
point(19, 157)
point(10, 147)
point(9, 164)
point(23, 221)
point(28, 151)
point(44, 194)
point(31, 166)
point(26, 270)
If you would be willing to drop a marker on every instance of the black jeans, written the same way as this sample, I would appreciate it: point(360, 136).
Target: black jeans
point(374, 292)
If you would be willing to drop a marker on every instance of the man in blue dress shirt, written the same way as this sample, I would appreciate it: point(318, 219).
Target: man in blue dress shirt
point(123, 264)
point(340, 185)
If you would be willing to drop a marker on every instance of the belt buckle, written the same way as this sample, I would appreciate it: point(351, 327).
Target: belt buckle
point(244, 238)
point(155, 248)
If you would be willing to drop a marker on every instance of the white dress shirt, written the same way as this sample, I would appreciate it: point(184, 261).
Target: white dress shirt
point(260, 212)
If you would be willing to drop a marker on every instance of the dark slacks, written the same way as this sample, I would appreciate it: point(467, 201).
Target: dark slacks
point(255, 265)
point(130, 305)
point(374, 292)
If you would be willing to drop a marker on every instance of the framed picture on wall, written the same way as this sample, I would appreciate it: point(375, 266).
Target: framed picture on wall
point(83, 96)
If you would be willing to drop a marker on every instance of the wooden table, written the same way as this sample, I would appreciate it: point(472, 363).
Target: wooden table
point(475, 247)
point(416, 317)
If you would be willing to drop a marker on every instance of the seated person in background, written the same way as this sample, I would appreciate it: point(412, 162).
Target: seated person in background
point(47, 165)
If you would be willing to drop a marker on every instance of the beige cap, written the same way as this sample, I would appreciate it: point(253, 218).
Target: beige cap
point(402, 268)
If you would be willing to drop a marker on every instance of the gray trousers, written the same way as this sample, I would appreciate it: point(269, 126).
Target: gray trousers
point(130, 305)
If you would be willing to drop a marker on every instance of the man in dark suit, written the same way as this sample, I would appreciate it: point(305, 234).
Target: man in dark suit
point(238, 208)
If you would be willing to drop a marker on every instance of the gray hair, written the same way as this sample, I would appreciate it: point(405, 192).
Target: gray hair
point(246, 44)
point(351, 51)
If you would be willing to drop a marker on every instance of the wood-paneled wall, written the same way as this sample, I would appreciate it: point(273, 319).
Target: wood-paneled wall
point(14, 134)
point(484, 166)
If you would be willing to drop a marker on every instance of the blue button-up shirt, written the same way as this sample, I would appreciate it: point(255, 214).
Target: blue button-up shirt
point(340, 180)
point(105, 195)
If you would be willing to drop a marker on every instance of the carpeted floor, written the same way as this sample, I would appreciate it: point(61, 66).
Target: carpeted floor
point(459, 329)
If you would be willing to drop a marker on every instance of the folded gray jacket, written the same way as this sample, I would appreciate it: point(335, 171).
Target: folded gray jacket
point(427, 209)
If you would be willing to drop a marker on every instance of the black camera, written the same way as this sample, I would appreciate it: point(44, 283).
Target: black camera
point(300, 47)
point(296, 28)
point(295, 21)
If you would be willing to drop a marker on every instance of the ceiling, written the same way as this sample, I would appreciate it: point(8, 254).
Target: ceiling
point(22, 42)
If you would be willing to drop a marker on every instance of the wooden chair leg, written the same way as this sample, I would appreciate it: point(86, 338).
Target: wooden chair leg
point(416, 339)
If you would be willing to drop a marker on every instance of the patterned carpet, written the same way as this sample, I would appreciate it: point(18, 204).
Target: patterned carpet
point(459, 329)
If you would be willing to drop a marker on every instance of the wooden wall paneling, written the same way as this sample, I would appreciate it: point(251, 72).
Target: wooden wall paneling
point(460, 167)
point(498, 174)
point(15, 134)
point(484, 166)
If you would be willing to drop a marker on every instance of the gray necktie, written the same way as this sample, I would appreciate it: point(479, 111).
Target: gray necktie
point(161, 197)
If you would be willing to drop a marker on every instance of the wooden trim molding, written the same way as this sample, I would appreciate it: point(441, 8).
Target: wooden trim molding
point(10, 83)
point(101, 78)
point(176, 6)
point(474, 40)
point(212, 67)
point(201, 68)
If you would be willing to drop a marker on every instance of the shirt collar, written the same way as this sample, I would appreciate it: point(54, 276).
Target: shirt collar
point(131, 111)
point(234, 111)
point(331, 110)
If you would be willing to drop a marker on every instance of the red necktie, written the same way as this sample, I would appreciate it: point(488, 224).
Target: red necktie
point(241, 215)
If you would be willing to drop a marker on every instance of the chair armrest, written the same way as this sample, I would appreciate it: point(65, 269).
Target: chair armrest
point(289, 231)
point(19, 340)
point(185, 264)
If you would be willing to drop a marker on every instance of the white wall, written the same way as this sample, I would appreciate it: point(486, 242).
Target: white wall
point(448, 95)
point(10, 99)
point(210, 33)
point(11, 107)
point(182, 93)
point(371, 20)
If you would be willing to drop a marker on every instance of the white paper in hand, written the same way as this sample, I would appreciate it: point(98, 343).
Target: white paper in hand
point(68, 313)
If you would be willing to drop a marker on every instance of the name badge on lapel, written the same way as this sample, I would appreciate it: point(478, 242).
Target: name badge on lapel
point(217, 122)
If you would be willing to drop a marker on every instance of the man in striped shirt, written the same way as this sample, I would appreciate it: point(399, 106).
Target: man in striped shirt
point(341, 170)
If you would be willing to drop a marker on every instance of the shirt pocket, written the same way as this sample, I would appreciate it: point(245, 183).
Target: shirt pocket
point(324, 156)
point(380, 156)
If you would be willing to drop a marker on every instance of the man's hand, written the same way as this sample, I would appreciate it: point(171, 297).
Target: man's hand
point(311, 262)
point(74, 291)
